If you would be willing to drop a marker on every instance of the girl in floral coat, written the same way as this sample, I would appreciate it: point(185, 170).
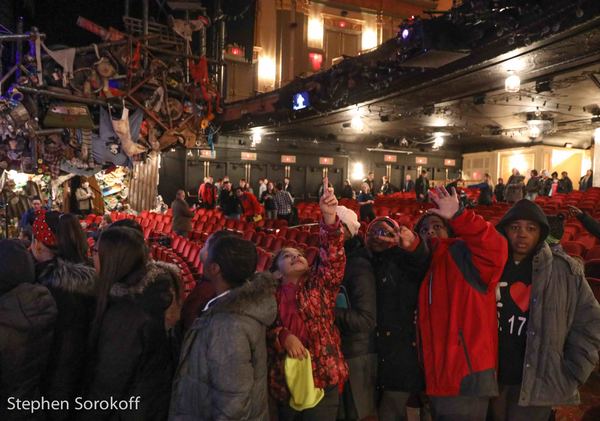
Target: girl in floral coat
point(305, 322)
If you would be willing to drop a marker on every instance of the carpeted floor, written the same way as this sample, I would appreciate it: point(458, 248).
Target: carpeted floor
point(590, 403)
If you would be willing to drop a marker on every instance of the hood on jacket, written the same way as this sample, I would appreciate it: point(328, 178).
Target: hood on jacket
point(156, 273)
point(527, 210)
point(27, 307)
point(254, 299)
point(154, 290)
point(16, 265)
point(68, 276)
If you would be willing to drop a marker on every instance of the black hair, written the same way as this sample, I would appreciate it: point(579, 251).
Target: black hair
point(236, 257)
point(72, 241)
point(534, 173)
point(421, 222)
point(554, 174)
point(129, 223)
point(123, 258)
point(279, 185)
point(36, 198)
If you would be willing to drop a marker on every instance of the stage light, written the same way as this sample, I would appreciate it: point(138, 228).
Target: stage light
point(534, 132)
point(512, 83)
point(314, 32)
point(405, 33)
point(438, 141)
point(597, 135)
point(358, 171)
point(369, 39)
point(568, 145)
point(357, 123)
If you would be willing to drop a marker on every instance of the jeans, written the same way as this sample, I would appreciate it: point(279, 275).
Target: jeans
point(393, 406)
point(459, 408)
point(506, 407)
point(326, 410)
point(181, 233)
point(271, 214)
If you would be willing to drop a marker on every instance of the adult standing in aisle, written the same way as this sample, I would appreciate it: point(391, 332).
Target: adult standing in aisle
point(182, 215)
point(422, 187)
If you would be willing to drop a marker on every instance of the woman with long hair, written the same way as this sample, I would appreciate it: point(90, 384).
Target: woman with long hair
point(59, 253)
point(72, 241)
point(131, 351)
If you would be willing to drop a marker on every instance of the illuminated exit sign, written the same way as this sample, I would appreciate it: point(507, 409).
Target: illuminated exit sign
point(421, 160)
point(325, 160)
point(248, 156)
point(390, 158)
point(288, 159)
point(450, 162)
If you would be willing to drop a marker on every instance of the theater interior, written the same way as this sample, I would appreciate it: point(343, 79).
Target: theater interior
point(297, 89)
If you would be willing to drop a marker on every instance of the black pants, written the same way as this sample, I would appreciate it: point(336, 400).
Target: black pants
point(326, 410)
point(459, 408)
point(506, 407)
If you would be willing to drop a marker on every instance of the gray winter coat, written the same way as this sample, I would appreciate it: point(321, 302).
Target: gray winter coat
point(563, 336)
point(222, 373)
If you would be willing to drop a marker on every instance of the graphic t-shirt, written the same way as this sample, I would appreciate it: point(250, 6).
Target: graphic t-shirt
point(514, 291)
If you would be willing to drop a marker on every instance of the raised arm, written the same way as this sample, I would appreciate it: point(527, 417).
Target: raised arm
point(488, 249)
point(332, 258)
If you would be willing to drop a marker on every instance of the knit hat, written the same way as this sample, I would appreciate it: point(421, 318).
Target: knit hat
point(16, 265)
point(299, 379)
point(349, 219)
point(529, 211)
point(45, 227)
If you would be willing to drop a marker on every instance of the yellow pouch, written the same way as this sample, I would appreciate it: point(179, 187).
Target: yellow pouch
point(299, 379)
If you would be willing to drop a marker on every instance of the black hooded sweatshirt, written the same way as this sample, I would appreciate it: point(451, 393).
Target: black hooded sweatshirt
point(514, 294)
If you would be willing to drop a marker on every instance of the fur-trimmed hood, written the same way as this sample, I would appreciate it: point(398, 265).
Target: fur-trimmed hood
point(156, 272)
point(67, 276)
point(254, 299)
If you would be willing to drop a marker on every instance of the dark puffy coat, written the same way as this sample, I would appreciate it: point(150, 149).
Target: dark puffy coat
point(534, 185)
point(27, 315)
point(223, 370)
point(357, 322)
point(73, 287)
point(133, 356)
point(565, 185)
point(422, 186)
point(499, 192)
point(398, 275)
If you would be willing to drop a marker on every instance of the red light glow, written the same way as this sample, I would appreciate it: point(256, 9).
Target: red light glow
point(316, 60)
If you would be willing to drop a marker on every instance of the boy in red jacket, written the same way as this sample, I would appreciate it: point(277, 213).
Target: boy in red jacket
point(457, 319)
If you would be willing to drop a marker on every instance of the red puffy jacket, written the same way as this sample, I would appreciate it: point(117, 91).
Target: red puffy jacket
point(458, 325)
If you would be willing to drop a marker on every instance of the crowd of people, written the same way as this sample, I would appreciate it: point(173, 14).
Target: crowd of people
point(466, 320)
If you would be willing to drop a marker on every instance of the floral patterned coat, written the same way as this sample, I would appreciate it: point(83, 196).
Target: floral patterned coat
point(316, 295)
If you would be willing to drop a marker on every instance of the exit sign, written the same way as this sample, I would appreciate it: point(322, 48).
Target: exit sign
point(325, 160)
point(248, 156)
point(390, 158)
point(207, 153)
point(288, 159)
point(421, 160)
point(450, 162)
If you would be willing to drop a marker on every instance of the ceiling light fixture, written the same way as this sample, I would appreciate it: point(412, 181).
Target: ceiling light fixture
point(512, 83)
